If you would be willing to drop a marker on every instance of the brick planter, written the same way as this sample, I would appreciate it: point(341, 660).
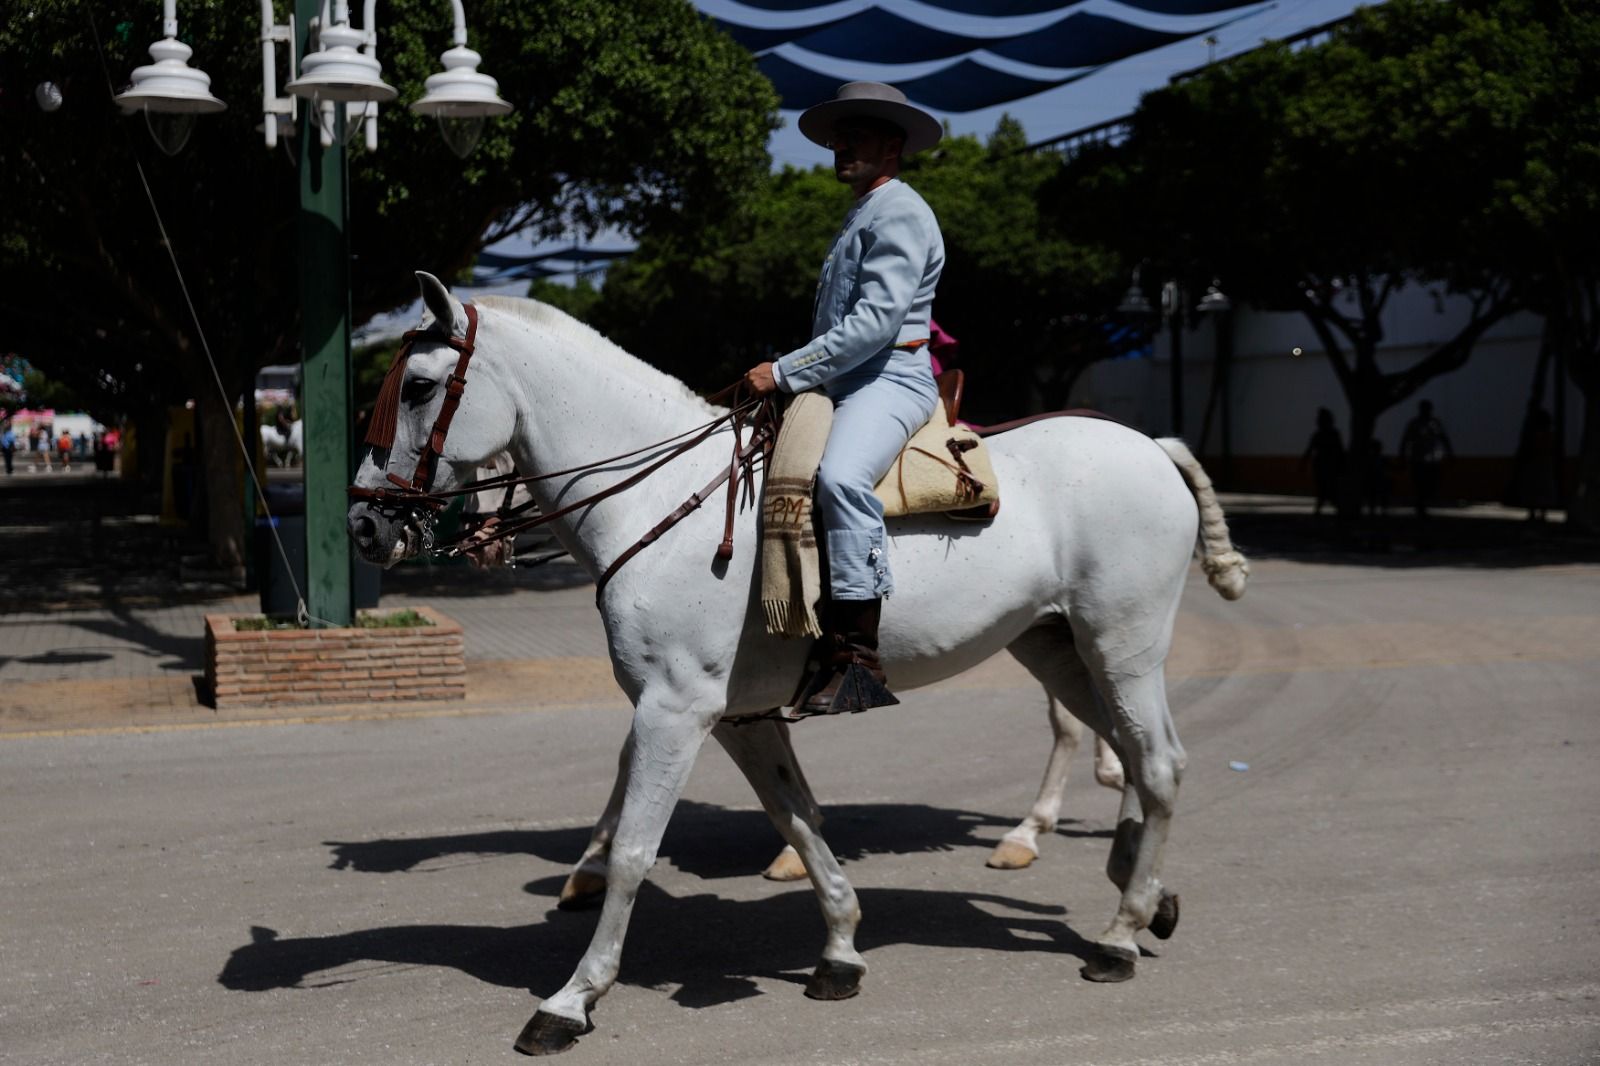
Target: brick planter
point(255, 668)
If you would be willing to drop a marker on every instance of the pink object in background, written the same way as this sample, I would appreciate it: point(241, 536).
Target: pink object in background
point(941, 346)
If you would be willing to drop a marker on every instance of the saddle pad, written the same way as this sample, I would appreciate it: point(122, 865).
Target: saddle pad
point(942, 468)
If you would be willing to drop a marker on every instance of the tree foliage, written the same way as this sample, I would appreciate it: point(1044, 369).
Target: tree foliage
point(1449, 142)
point(629, 112)
point(707, 307)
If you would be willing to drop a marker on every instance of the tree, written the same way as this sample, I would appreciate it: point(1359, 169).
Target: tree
point(1020, 300)
point(1546, 204)
point(629, 112)
point(1322, 180)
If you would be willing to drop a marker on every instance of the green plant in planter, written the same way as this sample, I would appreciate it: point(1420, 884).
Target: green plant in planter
point(403, 618)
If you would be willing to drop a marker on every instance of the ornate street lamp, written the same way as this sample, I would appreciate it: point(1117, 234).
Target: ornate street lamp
point(339, 68)
point(1215, 300)
point(332, 65)
point(1134, 302)
point(460, 97)
point(169, 91)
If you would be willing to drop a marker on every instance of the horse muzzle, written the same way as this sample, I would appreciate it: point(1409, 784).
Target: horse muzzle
point(385, 537)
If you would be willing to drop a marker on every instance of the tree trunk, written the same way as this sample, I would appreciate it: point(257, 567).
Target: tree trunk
point(1353, 487)
point(224, 507)
point(1584, 513)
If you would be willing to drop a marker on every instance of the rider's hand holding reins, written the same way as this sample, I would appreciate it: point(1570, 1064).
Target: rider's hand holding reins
point(760, 380)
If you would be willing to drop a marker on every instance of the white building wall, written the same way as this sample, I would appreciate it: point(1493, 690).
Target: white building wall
point(1276, 393)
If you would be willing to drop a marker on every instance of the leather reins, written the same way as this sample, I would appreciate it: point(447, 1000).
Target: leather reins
point(759, 413)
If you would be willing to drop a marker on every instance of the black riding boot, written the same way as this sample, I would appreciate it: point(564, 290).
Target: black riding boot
point(844, 672)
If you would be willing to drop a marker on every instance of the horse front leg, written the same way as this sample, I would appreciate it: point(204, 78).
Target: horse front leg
point(664, 742)
point(1018, 848)
point(763, 752)
point(586, 884)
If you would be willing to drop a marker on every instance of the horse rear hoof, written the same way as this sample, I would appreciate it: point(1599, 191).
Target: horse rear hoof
point(1108, 964)
point(1166, 916)
point(583, 891)
point(786, 867)
point(550, 1034)
point(835, 980)
point(1009, 855)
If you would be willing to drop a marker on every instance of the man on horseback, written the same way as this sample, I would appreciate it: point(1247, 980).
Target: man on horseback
point(870, 328)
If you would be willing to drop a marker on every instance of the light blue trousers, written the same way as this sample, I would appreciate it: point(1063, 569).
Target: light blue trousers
point(874, 414)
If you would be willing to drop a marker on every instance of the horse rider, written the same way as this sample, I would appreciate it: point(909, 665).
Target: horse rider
point(870, 328)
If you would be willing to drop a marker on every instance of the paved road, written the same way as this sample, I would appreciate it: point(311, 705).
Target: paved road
point(1405, 874)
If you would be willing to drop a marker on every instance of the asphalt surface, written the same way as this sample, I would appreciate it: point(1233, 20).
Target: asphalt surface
point(1405, 873)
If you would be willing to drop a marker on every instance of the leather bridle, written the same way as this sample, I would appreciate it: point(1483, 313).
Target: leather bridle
point(414, 493)
point(759, 413)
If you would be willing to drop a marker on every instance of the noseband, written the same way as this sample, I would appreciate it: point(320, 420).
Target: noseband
point(386, 413)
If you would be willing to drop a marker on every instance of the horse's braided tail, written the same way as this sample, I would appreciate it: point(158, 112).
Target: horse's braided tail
point(1226, 568)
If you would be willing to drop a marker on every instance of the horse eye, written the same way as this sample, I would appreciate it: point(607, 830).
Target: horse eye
point(417, 390)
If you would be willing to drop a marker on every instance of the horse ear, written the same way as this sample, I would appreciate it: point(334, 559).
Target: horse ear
point(445, 308)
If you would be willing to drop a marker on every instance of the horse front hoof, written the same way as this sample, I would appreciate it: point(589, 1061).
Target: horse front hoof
point(1165, 919)
point(583, 891)
point(835, 980)
point(788, 866)
point(550, 1034)
point(1109, 964)
point(1009, 855)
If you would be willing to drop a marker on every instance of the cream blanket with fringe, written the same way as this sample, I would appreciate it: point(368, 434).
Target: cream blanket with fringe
point(791, 567)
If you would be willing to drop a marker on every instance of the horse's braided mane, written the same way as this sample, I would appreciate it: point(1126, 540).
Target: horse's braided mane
point(588, 344)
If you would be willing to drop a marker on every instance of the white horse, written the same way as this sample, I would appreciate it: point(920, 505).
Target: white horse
point(1079, 576)
point(284, 450)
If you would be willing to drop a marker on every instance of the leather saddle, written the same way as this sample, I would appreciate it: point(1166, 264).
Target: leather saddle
point(944, 467)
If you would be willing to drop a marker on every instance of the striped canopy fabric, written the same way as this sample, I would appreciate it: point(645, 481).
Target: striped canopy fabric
point(803, 58)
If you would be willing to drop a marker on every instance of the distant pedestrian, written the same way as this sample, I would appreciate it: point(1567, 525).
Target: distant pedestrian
point(1534, 479)
point(39, 444)
point(8, 446)
point(1325, 453)
point(64, 449)
point(1424, 448)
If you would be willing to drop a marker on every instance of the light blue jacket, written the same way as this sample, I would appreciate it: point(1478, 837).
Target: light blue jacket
point(875, 292)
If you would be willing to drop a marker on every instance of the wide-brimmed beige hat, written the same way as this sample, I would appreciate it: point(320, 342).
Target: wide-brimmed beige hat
point(873, 99)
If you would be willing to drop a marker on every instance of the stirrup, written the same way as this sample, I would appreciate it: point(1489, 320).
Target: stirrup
point(854, 690)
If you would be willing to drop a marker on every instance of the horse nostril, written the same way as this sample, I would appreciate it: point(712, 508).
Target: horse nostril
point(363, 529)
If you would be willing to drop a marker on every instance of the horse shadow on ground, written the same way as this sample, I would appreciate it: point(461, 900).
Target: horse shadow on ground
point(710, 841)
point(733, 942)
point(714, 949)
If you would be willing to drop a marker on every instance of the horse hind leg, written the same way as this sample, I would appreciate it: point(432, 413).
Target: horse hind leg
point(1018, 848)
point(788, 866)
point(1154, 761)
point(1048, 653)
point(1107, 767)
point(762, 751)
